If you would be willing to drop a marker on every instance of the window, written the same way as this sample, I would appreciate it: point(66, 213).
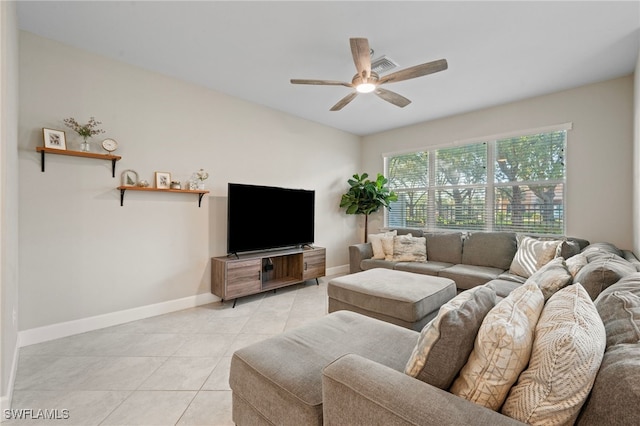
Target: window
point(510, 184)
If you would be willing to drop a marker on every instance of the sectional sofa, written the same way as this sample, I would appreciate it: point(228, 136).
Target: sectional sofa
point(346, 368)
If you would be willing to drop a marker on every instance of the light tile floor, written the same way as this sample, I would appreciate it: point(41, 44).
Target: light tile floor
point(171, 369)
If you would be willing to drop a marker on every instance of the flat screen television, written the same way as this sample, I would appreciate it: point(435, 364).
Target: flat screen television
point(268, 217)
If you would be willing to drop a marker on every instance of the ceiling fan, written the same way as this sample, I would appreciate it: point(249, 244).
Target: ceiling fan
point(367, 81)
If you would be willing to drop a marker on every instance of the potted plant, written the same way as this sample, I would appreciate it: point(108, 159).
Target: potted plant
point(366, 196)
point(84, 130)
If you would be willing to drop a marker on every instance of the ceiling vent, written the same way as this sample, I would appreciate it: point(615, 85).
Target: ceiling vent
point(382, 65)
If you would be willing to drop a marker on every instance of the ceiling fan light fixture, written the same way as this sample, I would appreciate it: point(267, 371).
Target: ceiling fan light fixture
point(365, 88)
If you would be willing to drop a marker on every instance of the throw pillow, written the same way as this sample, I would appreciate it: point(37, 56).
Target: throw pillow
point(575, 263)
point(601, 272)
point(376, 243)
point(567, 352)
point(387, 247)
point(502, 348)
point(620, 313)
point(532, 254)
point(552, 277)
point(446, 342)
point(407, 248)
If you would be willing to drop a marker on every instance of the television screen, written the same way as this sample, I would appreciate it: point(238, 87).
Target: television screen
point(266, 217)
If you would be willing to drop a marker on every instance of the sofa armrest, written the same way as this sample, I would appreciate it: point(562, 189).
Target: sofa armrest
point(357, 253)
point(358, 391)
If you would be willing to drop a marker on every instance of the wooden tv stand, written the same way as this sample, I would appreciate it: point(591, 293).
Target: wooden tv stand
point(236, 276)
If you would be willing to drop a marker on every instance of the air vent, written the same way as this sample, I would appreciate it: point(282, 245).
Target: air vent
point(382, 65)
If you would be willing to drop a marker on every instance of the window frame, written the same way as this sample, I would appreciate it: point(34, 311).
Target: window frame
point(491, 184)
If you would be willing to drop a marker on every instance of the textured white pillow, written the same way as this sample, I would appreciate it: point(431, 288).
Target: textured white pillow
point(532, 254)
point(376, 243)
point(407, 248)
point(565, 359)
point(502, 348)
point(552, 277)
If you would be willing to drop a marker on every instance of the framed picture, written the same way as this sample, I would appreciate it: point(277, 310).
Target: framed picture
point(129, 178)
point(163, 180)
point(54, 139)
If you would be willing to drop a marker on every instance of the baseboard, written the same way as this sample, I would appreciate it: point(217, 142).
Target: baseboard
point(5, 400)
point(69, 328)
point(338, 270)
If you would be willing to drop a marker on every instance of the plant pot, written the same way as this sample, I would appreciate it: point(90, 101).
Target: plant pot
point(201, 185)
point(84, 146)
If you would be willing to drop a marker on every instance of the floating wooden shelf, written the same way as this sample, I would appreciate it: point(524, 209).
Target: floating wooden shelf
point(113, 158)
point(200, 192)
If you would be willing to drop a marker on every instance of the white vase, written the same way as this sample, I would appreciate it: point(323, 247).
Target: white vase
point(84, 146)
point(201, 185)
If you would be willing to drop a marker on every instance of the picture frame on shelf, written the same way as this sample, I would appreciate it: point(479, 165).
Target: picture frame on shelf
point(163, 180)
point(54, 139)
point(129, 178)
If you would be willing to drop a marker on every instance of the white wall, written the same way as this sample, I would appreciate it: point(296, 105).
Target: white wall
point(599, 150)
point(81, 253)
point(8, 199)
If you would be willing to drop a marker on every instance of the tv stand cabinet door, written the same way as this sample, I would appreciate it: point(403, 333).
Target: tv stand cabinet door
point(314, 263)
point(244, 277)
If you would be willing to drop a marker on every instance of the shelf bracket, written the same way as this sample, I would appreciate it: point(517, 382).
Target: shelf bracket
point(42, 160)
point(113, 167)
point(122, 197)
point(200, 195)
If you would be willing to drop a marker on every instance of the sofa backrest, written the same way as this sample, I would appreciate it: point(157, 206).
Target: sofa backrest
point(493, 249)
point(444, 247)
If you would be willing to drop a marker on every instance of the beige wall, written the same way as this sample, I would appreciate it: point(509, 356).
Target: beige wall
point(8, 198)
point(82, 254)
point(599, 150)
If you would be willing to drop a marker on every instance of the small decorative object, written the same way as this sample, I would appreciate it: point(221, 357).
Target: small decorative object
point(202, 176)
point(84, 130)
point(54, 139)
point(163, 180)
point(193, 184)
point(109, 145)
point(129, 178)
point(175, 185)
point(143, 184)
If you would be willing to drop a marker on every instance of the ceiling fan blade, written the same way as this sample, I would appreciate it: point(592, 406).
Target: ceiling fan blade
point(394, 98)
point(415, 71)
point(344, 101)
point(321, 82)
point(361, 56)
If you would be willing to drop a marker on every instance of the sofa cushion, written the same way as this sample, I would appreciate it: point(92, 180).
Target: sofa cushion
point(566, 355)
point(407, 248)
point(620, 313)
point(444, 247)
point(492, 249)
point(367, 264)
point(446, 342)
point(502, 348)
point(601, 272)
point(469, 276)
point(552, 277)
point(376, 243)
point(532, 254)
point(614, 396)
point(281, 377)
point(503, 287)
point(602, 248)
point(425, 268)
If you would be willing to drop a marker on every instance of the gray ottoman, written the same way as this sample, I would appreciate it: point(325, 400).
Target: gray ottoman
point(402, 298)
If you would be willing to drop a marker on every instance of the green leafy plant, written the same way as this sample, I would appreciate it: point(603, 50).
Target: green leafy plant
point(367, 196)
point(84, 130)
